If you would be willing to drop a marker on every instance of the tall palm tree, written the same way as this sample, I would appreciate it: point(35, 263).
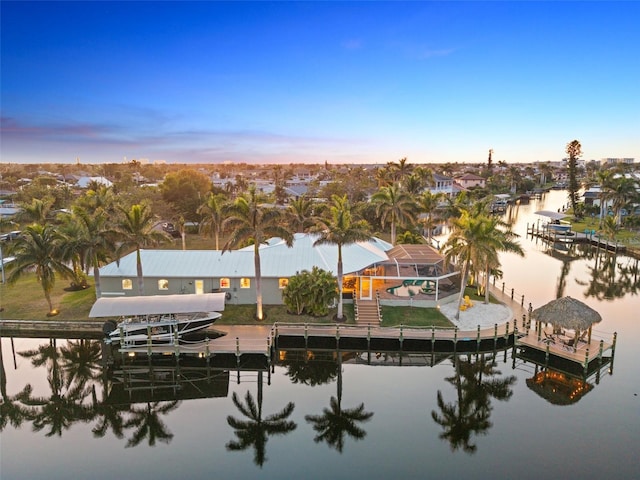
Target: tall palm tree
point(136, 230)
point(499, 238)
point(212, 211)
point(339, 228)
point(470, 240)
point(98, 241)
point(39, 248)
point(394, 206)
point(249, 221)
point(255, 430)
point(428, 204)
point(336, 422)
point(303, 213)
point(622, 191)
point(574, 151)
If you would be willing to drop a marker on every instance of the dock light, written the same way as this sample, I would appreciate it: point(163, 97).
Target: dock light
point(132, 354)
point(53, 313)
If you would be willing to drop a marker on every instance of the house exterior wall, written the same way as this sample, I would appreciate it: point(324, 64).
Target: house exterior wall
point(271, 292)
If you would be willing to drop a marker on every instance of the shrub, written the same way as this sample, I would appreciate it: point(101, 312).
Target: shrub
point(311, 293)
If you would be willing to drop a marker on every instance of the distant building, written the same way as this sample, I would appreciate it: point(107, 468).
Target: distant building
point(442, 184)
point(469, 180)
point(616, 161)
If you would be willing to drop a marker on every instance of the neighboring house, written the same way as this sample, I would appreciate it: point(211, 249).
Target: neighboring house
point(442, 184)
point(84, 182)
point(201, 271)
point(469, 180)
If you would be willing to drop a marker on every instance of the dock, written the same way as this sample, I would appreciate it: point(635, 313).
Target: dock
point(569, 237)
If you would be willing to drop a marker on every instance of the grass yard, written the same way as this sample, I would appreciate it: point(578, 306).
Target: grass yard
point(413, 317)
point(25, 300)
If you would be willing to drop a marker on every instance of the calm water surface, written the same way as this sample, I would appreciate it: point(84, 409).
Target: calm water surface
point(466, 417)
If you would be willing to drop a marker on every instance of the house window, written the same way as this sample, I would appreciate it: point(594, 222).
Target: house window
point(163, 284)
point(225, 283)
point(245, 283)
point(283, 282)
point(127, 284)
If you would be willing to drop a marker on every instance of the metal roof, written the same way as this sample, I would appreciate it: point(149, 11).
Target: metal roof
point(157, 305)
point(276, 260)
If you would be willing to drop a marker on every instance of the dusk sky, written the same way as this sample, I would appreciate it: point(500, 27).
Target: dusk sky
point(309, 82)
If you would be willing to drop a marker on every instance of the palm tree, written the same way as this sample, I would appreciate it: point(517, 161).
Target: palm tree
point(499, 238)
point(395, 206)
point(303, 213)
point(137, 230)
point(39, 248)
point(212, 212)
point(339, 228)
point(428, 204)
point(97, 241)
point(621, 191)
point(255, 431)
point(574, 151)
point(336, 423)
point(249, 221)
point(38, 211)
point(470, 240)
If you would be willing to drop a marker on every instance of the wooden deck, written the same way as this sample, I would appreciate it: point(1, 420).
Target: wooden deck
point(583, 353)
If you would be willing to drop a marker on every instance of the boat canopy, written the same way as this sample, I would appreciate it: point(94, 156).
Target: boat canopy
point(551, 214)
point(157, 304)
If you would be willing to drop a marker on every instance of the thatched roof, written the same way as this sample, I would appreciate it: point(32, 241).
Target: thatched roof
point(567, 312)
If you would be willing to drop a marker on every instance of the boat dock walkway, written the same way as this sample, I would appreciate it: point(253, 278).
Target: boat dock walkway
point(588, 236)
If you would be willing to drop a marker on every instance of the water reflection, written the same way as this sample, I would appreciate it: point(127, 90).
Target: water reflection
point(256, 430)
point(336, 423)
point(477, 381)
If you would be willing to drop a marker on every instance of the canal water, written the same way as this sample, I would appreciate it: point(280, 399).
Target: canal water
point(324, 415)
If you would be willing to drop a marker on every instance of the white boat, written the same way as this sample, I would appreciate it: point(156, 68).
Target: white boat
point(157, 318)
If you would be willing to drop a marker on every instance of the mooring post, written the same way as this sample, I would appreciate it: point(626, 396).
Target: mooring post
point(238, 351)
point(513, 291)
point(455, 339)
point(368, 336)
point(207, 352)
point(478, 339)
point(522, 302)
point(401, 336)
point(529, 319)
point(506, 333)
point(306, 336)
point(433, 338)
point(601, 350)
point(149, 340)
point(586, 362)
point(495, 335)
point(503, 288)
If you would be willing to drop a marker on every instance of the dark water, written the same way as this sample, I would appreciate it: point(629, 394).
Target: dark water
point(470, 416)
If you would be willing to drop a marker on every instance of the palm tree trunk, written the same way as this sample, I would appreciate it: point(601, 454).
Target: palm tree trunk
point(486, 285)
point(340, 316)
point(256, 259)
point(139, 271)
point(463, 284)
point(96, 277)
point(393, 233)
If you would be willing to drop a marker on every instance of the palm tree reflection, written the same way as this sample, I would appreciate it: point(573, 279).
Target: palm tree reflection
point(146, 422)
point(336, 423)
point(476, 383)
point(255, 430)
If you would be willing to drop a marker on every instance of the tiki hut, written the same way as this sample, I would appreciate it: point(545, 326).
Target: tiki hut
point(568, 313)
